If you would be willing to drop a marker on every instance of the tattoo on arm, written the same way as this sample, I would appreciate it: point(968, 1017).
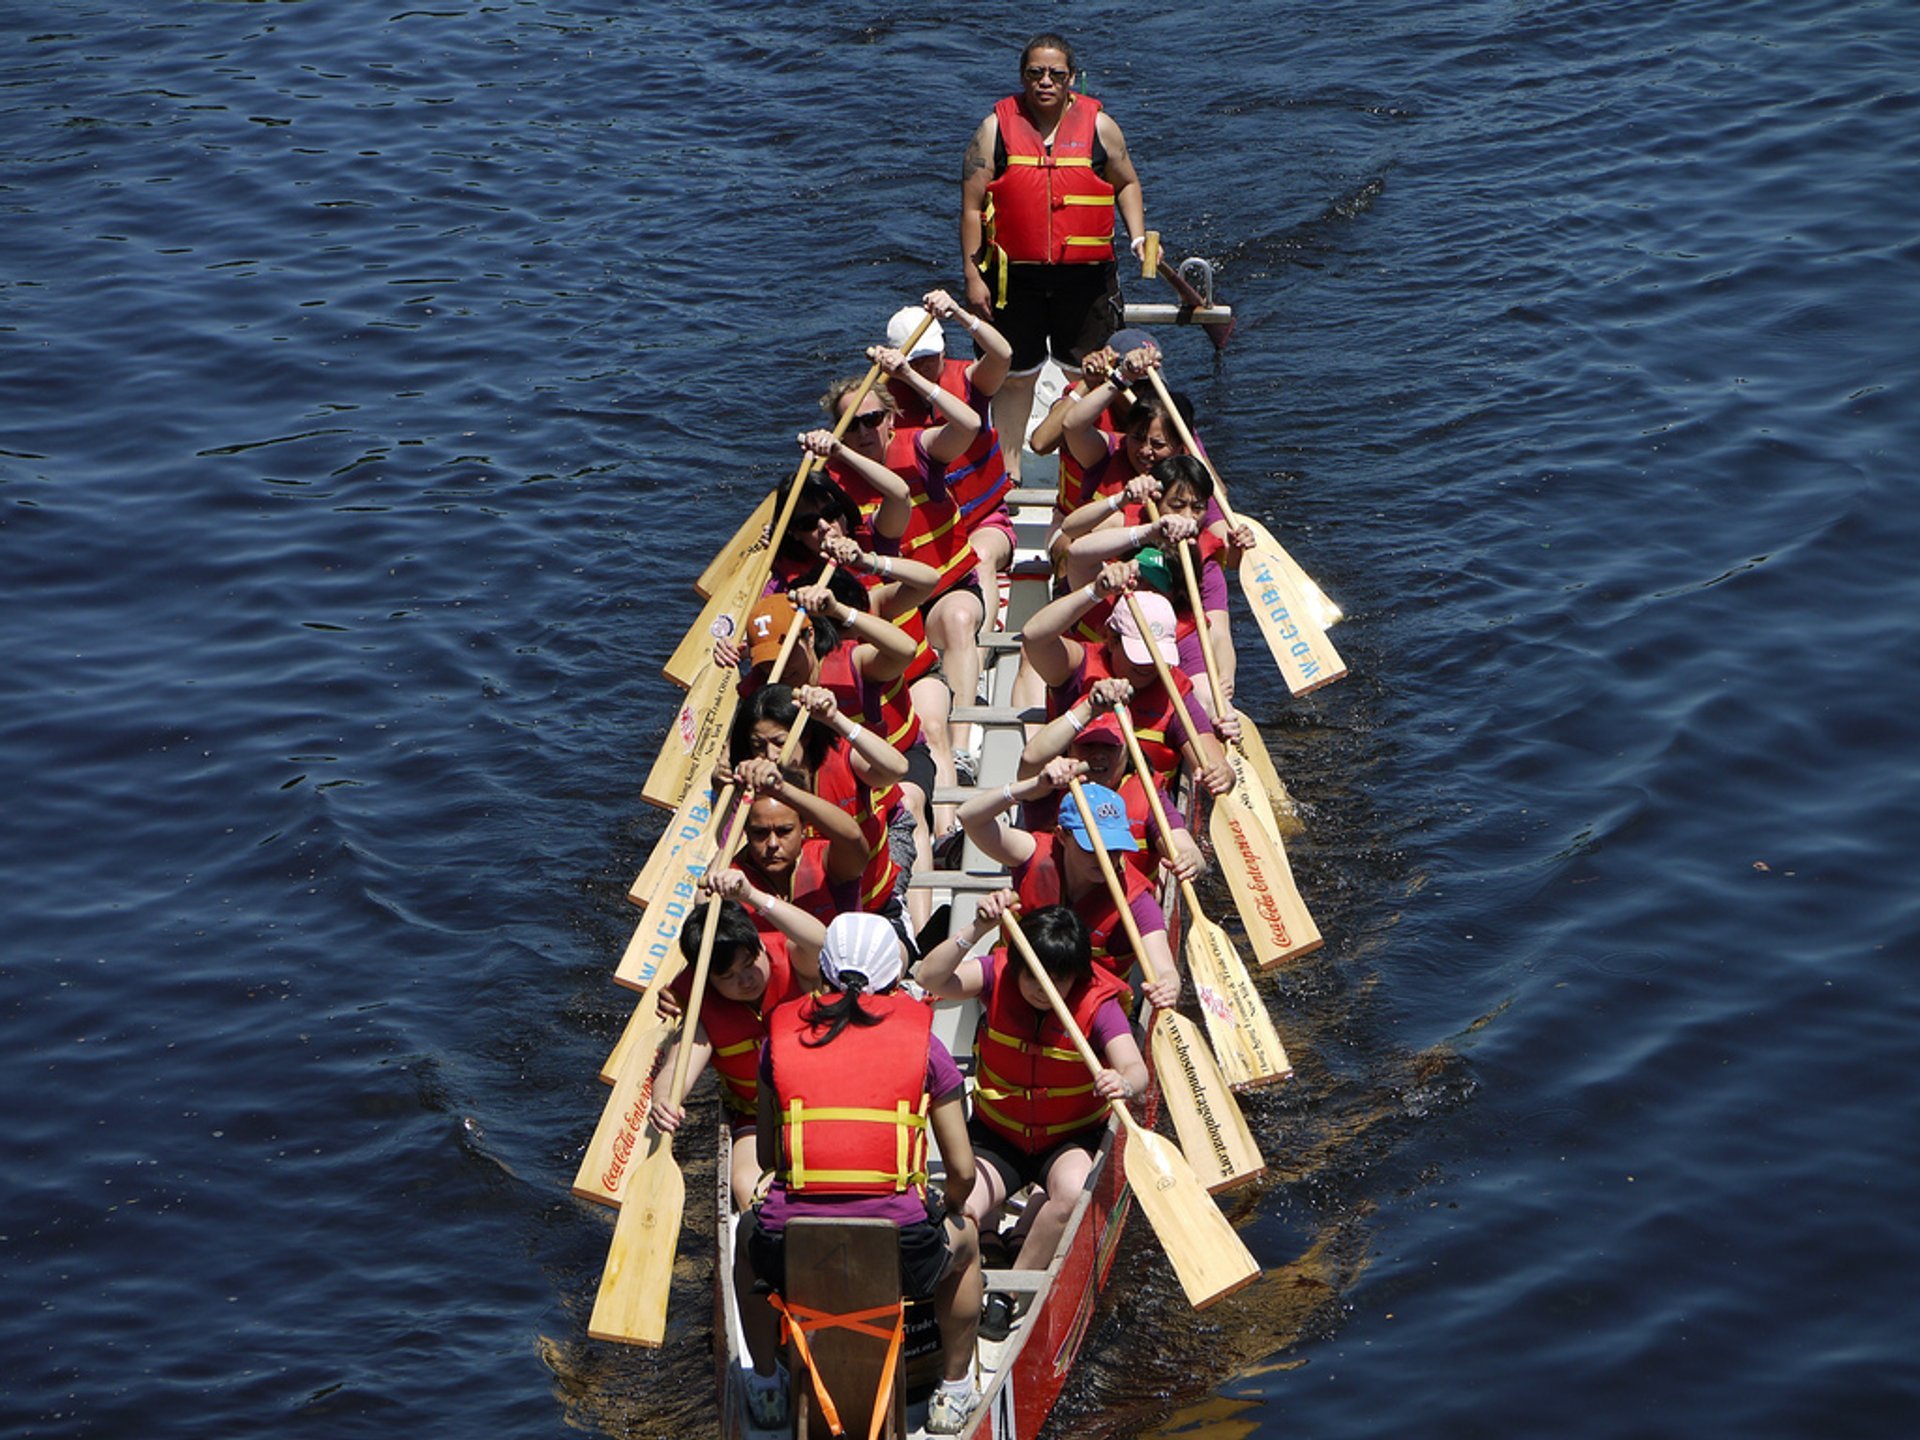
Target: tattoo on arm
point(975, 160)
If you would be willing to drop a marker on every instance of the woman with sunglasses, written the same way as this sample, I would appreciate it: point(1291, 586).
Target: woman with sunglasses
point(1054, 166)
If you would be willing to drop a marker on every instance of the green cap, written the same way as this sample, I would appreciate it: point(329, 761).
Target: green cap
point(1155, 571)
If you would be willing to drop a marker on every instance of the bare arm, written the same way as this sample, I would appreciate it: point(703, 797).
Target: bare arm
point(846, 848)
point(976, 170)
point(805, 934)
point(989, 372)
point(1120, 174)
point(896, 500)
point(947, 971)
point(1044, 641)
point(959, 424)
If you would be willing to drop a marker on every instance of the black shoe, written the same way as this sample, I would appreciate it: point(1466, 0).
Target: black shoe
point(996, 1317)
point(946, 850)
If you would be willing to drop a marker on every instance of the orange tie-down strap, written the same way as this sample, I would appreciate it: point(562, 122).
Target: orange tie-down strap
point(796, 1320)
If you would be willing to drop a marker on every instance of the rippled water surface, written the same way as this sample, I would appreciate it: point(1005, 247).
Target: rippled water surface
point(374, 382)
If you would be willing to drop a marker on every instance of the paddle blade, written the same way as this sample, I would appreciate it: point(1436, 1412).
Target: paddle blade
point(1261, 882)
point(620, 1134)
point(693, 740)
point(631, 1306)
point(1253, 765)
point(1208, 1258)
point(1244, 1040)
point(1219, 1148)
point(655, 943)
point(1279, 594)
point(719, 619)
point(690, 823)
point(747, 539)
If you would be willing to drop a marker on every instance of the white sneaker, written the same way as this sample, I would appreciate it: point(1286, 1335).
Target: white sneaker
point(947, 1414)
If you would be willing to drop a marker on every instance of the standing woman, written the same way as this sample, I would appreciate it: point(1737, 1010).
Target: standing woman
point(1038, 188)
point(851, 1082)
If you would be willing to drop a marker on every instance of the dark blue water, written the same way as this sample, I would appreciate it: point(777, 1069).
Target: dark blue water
point(374, 381)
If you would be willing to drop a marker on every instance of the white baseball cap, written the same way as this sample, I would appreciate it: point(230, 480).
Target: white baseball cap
point(904, 322)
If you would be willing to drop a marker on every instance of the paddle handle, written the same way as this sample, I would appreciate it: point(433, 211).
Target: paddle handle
point(1192, 743)
point(1145, 772)
point(1186, 439)
point(1199, 612)
point(1114, 887)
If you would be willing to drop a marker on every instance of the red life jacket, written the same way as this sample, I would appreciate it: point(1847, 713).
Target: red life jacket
point(853, 1113)
point(978, 480)
point(1161, 721)
point(886, 709)
point(808, 890)
point(1083, 484)
point(1049, 206)
point(836, 783)
point(1039, 882)
point(1032, 1087)
point(935, 533)
point(736, 1029)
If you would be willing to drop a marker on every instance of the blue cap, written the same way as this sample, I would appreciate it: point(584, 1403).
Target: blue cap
point(1109, 813)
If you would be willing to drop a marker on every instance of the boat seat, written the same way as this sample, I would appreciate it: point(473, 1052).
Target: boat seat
point(999, 715)
point(959, 881)
point(1015, 1282)
point(843, 1267)
point(1031, 495)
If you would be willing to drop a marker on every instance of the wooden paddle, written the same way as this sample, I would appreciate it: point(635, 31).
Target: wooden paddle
point(1217, 331)
point(1254, 862)
point(607, 1163)
point(1244, 1040)
point(1221, 704)
point(631, 1305)
point(720, 619)
point(1208, 1258)
point(1248, 755)
point(733, 554)
point(1278, 590)
point(1212, 1131)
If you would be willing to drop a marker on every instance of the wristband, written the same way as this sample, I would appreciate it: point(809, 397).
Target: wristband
point(883, 565)
point(1114, 501)
point(1075, 721)
point(846, 614)
point(1093, 592)
point(854, 734)
point(1138, 536)
point(1007, 791)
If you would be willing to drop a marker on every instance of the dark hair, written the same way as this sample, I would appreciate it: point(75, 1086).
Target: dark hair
point(1149, 408)
point(733, 934)
point(775, 703)
point(824, 496)
point(1188, 470)
point(1048, 41)
point(840, 1012)
point(1059, 937)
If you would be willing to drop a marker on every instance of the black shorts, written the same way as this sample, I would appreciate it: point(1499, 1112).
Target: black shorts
point(1070, 310)
point(920, 770)
point(968, 584)
point(925, 1255)
point(1014, 1166)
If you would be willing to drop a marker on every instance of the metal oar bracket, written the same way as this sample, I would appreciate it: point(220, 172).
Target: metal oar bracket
point(1193, 282)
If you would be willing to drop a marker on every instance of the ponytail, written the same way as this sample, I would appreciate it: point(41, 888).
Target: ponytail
point(841, 1012)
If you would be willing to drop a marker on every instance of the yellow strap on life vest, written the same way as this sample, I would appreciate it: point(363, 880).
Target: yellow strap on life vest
point(986, 1107)
point(905, 1120)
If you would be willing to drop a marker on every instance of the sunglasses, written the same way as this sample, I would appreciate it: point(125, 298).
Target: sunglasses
point(1037, 73)
point(868, 419)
